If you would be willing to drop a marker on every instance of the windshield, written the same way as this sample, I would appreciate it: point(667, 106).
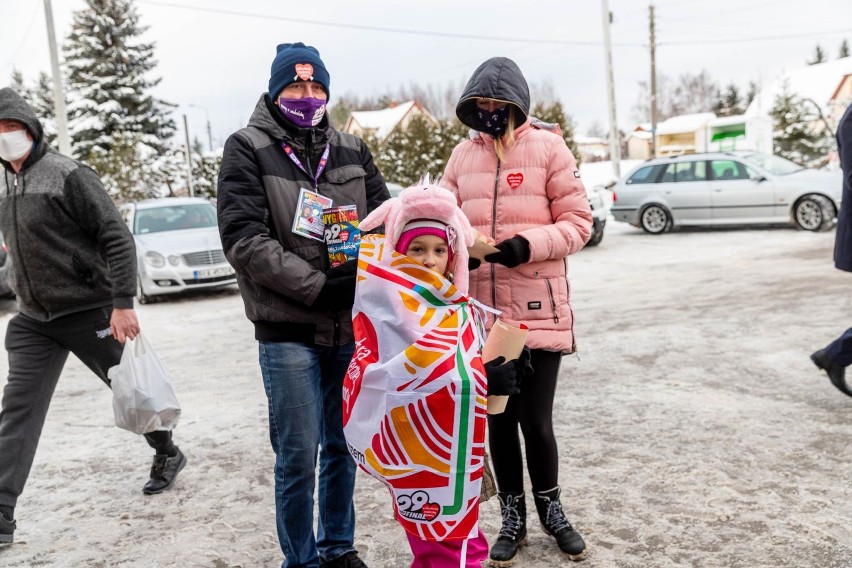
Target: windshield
point(775, 165)
point(174, 218)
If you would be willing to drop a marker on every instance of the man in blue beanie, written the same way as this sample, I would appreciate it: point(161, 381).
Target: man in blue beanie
point(289, 160)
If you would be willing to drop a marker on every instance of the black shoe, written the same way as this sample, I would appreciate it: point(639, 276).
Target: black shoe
point(164, 472)
point(7, 530)
point(348, 560)
point(513, 532)
point(836, 373)
point(556, 525)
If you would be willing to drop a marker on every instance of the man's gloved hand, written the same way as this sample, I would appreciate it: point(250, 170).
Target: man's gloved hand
point(338, 292)
point(473, 263)
point(513, 252)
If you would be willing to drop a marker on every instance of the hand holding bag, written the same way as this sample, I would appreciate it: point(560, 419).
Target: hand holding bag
point(142, 394)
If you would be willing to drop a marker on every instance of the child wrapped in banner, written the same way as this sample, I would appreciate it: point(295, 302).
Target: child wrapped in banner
point(415, 393)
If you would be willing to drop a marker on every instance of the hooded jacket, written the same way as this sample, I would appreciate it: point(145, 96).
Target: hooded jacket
point(279, 272)
point(536, 193)
point(71, 251)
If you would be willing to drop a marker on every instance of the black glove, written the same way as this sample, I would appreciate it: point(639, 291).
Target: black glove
point(505, 378)
point(502, 379)
point(338, 292)
point(513, 252)
point(473, 263)
point(348, 268)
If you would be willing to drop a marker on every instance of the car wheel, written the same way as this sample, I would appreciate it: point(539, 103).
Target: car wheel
point(141, 296)
point(655, 219)
point(597, 235)
point(814, 213)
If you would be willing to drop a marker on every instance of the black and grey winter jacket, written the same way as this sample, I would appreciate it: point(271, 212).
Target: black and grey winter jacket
point(70, 249)
point(280, 273)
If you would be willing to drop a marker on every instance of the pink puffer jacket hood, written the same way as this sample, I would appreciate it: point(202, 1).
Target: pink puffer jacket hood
point(536, 194)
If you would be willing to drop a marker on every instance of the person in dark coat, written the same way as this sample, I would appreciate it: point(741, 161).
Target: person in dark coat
point(837, 355)
point(74, 274)
point(277, 174)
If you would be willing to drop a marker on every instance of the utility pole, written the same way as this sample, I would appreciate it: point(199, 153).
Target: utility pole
point(188, 159)
point(614, 141)
point(653, 85)
point(209, 130)
point(58, 91)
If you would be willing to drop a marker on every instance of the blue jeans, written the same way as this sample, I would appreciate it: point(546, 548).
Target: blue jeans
point(304, 386)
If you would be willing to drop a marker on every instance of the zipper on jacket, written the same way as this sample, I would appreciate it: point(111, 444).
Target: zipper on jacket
point(552, 300)
point(494, 235)
point(19, 261)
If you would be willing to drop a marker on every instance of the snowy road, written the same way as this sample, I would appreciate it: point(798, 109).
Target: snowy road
point(693, 428)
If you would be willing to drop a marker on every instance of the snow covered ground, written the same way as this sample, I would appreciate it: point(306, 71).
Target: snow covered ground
point(693, 429)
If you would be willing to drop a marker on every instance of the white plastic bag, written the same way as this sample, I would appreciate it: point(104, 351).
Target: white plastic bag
point(142, 394)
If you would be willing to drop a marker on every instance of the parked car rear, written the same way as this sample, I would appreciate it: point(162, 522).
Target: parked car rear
point(726, 188)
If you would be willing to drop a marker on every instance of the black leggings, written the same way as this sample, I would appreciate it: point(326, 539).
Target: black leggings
point(532, 409)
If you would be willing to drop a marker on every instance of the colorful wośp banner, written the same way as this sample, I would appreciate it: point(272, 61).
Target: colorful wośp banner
point(414, 396)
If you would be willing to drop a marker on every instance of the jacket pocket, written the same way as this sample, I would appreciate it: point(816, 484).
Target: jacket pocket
point(344, 174)
point(84, 272)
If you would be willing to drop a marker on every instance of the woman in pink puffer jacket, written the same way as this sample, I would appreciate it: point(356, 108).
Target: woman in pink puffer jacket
point(519, 185)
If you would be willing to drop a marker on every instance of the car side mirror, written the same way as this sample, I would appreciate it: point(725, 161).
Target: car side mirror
point(757, 178)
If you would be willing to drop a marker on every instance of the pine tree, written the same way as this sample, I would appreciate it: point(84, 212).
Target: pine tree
point(844, 49)
point(554, 113)
point(729, 102)
point(819, 56)
point(794, 137)
point(107, 78)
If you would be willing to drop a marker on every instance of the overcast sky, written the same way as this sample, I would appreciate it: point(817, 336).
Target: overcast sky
point(216, 54)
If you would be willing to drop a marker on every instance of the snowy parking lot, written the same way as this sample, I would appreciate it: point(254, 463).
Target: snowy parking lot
point(694, 430)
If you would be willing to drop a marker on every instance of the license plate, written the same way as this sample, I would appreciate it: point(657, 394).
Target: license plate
point(213, 272)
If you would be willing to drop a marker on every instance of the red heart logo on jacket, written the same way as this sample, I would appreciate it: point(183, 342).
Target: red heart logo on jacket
point(430, 510)
point(515, 180)
point(305, 71)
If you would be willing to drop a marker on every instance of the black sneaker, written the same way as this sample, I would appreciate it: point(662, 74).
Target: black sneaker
point(348, 560)
point(164, 472)
point(7, 530)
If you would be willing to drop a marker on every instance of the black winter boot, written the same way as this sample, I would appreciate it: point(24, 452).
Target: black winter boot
point(556, 525)
point(513, 533)
point(7, 525)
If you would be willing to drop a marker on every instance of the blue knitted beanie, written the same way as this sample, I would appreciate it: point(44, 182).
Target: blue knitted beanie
point(295, 62)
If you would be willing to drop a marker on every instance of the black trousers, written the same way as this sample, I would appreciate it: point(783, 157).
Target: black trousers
point(532, 410)
point(37, 353)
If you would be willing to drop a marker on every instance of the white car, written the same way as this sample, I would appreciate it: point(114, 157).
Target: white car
point(177, 246)
point(726, 188)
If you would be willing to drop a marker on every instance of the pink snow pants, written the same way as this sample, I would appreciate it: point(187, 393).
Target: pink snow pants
point(467, 553)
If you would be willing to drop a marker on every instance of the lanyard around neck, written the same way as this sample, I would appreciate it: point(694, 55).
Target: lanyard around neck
point(320, 167)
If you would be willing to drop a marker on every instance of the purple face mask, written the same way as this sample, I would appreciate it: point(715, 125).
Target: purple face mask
point(304, 113)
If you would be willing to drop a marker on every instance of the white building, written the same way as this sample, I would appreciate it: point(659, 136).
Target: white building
point(382, 123)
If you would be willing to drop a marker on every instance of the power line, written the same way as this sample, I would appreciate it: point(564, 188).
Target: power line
point(754, 39)
point(594, 43)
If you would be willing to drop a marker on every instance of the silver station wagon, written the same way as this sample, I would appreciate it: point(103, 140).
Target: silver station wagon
point(727, 188)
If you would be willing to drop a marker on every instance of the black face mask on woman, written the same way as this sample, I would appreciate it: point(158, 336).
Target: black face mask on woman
point(491, 122)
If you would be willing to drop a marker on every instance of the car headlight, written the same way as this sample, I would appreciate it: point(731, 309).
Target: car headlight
point(155, 259)
point(174, 260)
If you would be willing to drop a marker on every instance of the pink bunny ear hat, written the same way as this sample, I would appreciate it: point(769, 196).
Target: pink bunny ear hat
point(427, 201)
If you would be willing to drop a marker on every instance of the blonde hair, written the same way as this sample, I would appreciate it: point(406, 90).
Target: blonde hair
point(503, 143)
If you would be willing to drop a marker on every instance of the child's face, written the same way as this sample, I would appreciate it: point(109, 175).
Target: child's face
point(430, 251)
